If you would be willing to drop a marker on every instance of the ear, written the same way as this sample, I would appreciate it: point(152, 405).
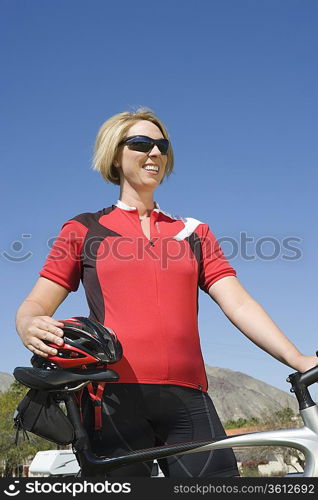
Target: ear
point(116, 163)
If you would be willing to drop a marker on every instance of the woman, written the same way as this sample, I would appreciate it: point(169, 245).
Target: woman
point(141, 269)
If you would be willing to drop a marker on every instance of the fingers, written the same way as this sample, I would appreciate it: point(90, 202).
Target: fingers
point(52, 331)
point(41, 353)
point(52, 325)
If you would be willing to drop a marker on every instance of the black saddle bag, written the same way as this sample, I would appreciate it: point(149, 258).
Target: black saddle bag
point(39, 412)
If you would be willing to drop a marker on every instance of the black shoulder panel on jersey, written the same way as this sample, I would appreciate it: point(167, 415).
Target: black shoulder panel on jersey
point(95, 235)
point(88, 218)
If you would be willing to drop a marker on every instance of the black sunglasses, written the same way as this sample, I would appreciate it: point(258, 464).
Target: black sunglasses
point(144, 144)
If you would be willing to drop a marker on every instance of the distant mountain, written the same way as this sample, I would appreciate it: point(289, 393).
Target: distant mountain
point(5, 381)
point(237, 395)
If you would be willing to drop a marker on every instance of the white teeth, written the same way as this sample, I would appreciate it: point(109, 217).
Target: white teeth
point(151, 167)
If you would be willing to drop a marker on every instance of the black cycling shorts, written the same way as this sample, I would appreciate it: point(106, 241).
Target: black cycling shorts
point(137, 416)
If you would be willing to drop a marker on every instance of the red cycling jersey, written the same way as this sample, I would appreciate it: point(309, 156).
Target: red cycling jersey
point(146, 290)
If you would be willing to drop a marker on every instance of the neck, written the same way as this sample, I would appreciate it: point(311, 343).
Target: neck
point(144, 202)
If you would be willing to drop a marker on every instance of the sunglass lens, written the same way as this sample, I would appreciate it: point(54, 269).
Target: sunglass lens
point(142, 146)
point(163, 146)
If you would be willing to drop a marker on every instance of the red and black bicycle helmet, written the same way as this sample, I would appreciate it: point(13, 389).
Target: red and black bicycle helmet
point(86, 342)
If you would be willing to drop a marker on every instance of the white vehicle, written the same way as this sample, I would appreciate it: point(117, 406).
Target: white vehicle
point(64, 463)
point(54, 463)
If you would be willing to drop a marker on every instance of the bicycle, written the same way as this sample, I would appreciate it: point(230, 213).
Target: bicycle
point(64, 383)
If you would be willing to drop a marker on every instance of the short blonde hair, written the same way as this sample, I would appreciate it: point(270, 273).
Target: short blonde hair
point(112, 132)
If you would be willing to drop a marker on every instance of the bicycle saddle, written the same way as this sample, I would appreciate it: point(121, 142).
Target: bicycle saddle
point(55, 380)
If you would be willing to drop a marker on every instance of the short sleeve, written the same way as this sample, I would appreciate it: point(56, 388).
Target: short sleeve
point(213, 263)
point(63, 264)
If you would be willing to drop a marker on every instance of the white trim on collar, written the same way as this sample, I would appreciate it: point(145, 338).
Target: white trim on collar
point(190, 224)
point(123, 206)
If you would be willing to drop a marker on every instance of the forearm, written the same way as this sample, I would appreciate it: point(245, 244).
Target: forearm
point(43, 300)
point(34, 322)
point(254, 322)
point(28, 309)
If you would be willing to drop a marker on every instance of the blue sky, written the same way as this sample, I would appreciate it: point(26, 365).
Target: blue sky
point(235, 82)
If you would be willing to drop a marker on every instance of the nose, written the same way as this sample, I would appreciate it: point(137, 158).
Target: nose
point(155, 151)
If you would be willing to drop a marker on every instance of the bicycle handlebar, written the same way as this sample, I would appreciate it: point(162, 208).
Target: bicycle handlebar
point(309, 377)
point(300, 383)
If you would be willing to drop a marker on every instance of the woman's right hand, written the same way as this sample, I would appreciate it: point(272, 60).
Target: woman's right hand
point(36, 330)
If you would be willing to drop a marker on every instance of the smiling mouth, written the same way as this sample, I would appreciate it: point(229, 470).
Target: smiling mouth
point(151, 168)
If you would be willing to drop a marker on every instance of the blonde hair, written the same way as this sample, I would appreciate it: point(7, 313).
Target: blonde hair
point(112, 132)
